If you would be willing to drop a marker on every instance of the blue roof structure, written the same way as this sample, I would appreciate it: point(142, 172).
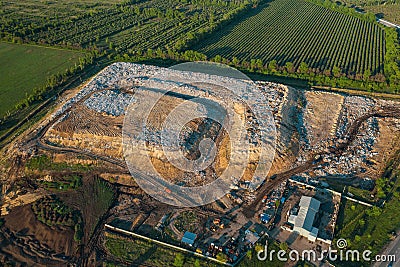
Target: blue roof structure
point(189, 238)
point(265, 218)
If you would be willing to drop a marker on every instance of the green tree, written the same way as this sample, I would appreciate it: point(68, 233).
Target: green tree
point(218, 59)
point(289, 67)
point(235, 61)
point(179, 260)
point(303, 68)
point(249, 254)
point(284, 246)
point(258, 247)
point(374, 212)
point(150, 52)
point(336, 71)
point(78, 232)
point(259, 64)
point(222, 257)
point(367, 75)
point(252, 64)
point(272, 65)
point(197, 263)
point(277, 203)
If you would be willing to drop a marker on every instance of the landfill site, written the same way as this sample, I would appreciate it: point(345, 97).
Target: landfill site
point(313, 140)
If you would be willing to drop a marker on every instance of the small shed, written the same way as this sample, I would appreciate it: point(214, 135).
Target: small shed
point(189, 238)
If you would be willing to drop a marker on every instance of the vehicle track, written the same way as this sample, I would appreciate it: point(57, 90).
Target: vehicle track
point(12, 131)
point(250, 209)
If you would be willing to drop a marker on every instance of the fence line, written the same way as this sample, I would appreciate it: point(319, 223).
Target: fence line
point(116, 229)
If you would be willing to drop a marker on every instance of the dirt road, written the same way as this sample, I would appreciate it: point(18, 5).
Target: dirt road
point(348, 138)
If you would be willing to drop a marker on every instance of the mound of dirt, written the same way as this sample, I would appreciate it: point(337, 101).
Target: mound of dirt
point(28, 236)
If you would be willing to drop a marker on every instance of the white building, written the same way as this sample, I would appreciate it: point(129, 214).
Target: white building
point(303, 221)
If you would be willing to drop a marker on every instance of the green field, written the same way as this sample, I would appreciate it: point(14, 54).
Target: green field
point(252, 260)
point(372, 228)
point(101, 31)
point(390, 12)
point(300, 31)
point(118, 26)
point(388, 9)
point(25, 67)
point(55, 10)
point(137, 252)
point(317, 41)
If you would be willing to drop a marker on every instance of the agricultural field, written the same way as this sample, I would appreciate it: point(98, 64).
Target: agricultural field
point(388, 10)
point(325, 40)
point(118, 29)
point(26, 67)
point(54, 10)
point(371, 228)
point(77, 80)
point(300, 31)
point(140, 252)
point(252, 260)
point(120, 26)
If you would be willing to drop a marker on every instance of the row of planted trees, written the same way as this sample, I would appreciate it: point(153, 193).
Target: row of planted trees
point(89, 28)
point(391, 79)
point(330, 77)
point(392, 57)
point(333, 78)
point(43, 34)
point(339, 7)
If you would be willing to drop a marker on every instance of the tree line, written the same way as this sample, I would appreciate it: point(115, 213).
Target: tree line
point(54, 81)
point(331, 78)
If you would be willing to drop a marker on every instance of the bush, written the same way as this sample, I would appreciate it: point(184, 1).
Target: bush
point(179, 260)
point(78, 232)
